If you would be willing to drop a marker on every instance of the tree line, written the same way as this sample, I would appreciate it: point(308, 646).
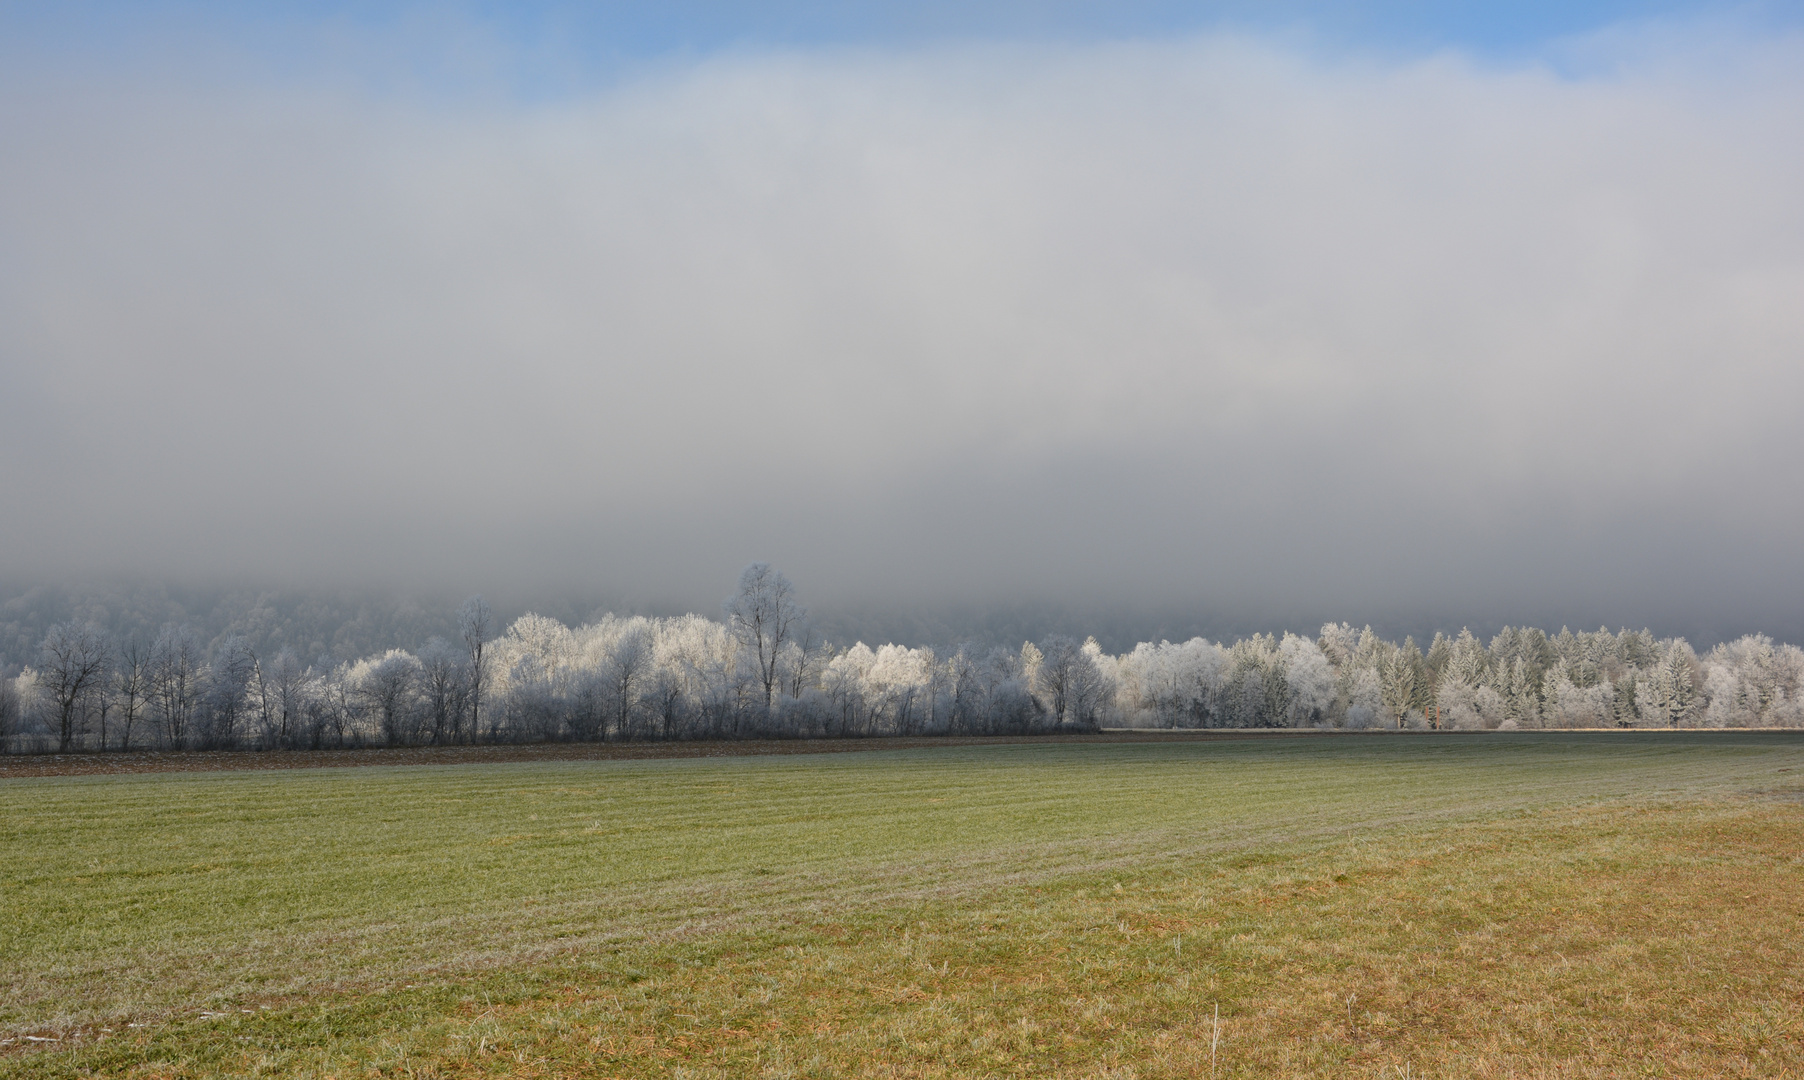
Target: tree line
point(761, 671)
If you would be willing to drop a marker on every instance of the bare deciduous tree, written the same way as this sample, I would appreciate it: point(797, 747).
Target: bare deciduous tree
point(234, 668)
point(445, 687)
point(174, 681)
point(625, 670)
point(131, 681)
point(75, 660)
point(473, 625)
point(10, 710)
point(387, 685)
point(1068, 679)
point(802, 660)
point(287, 680)
point(762, 615)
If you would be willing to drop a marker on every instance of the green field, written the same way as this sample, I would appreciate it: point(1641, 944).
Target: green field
point(1422, 905)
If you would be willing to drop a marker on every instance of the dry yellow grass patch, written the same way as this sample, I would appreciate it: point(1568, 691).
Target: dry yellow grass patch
point(1420, 906)
point(1599, 942)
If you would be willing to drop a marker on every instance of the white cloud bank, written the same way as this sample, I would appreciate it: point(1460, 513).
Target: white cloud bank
point(1211, 321)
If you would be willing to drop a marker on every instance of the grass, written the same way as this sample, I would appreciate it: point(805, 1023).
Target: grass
point(1521, 905)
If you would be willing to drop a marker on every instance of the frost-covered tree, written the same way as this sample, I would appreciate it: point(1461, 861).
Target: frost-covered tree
point(1576, 695)
point(1339, 642)
point(546, 642)
point(1096, 691)
point(1521, 693)
point(846, 684)
point(1465, 707)
point(1667, 693)
point(287, 685)
point(1309, 680)
point(986, 693)
point(896, 684)
point(758, 672)
point(1464, 697)
point(1627, 687)
point(625, 670)
point(1435, 660)
point(1751, 682)
point(531, 704)
point(1364, 692)
point(1402, 680)
point(1467, 661)
point(716, 685)
point(1254, 690)
point(800, 660)
point(387, 686)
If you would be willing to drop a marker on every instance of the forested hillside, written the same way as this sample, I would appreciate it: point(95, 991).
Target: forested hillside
point(99, 681)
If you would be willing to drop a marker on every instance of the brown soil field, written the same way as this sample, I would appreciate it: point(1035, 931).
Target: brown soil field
point(153, 761)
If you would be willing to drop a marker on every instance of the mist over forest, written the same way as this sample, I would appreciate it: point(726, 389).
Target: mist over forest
point(345, 623)
point(1214, 333)
point(308, 332)
point(318, 672)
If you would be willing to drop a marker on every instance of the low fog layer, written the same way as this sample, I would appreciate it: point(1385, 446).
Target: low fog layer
point(1158, 327)
point(765, 672)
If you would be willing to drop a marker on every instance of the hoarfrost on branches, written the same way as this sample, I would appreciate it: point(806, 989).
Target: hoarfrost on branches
point(762, 672)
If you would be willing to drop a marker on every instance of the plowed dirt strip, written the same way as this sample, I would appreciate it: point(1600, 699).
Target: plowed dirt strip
point(236, 760)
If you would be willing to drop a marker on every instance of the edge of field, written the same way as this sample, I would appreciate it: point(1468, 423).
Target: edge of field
point(160, 761)
point(155, 761)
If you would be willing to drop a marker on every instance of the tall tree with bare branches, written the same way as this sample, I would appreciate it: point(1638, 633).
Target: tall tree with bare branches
point(76, 659)
point(762, 615)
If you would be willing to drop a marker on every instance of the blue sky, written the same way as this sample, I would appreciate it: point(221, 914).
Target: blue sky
point(1488, 28)
point(640, 30)
point(536, 49)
